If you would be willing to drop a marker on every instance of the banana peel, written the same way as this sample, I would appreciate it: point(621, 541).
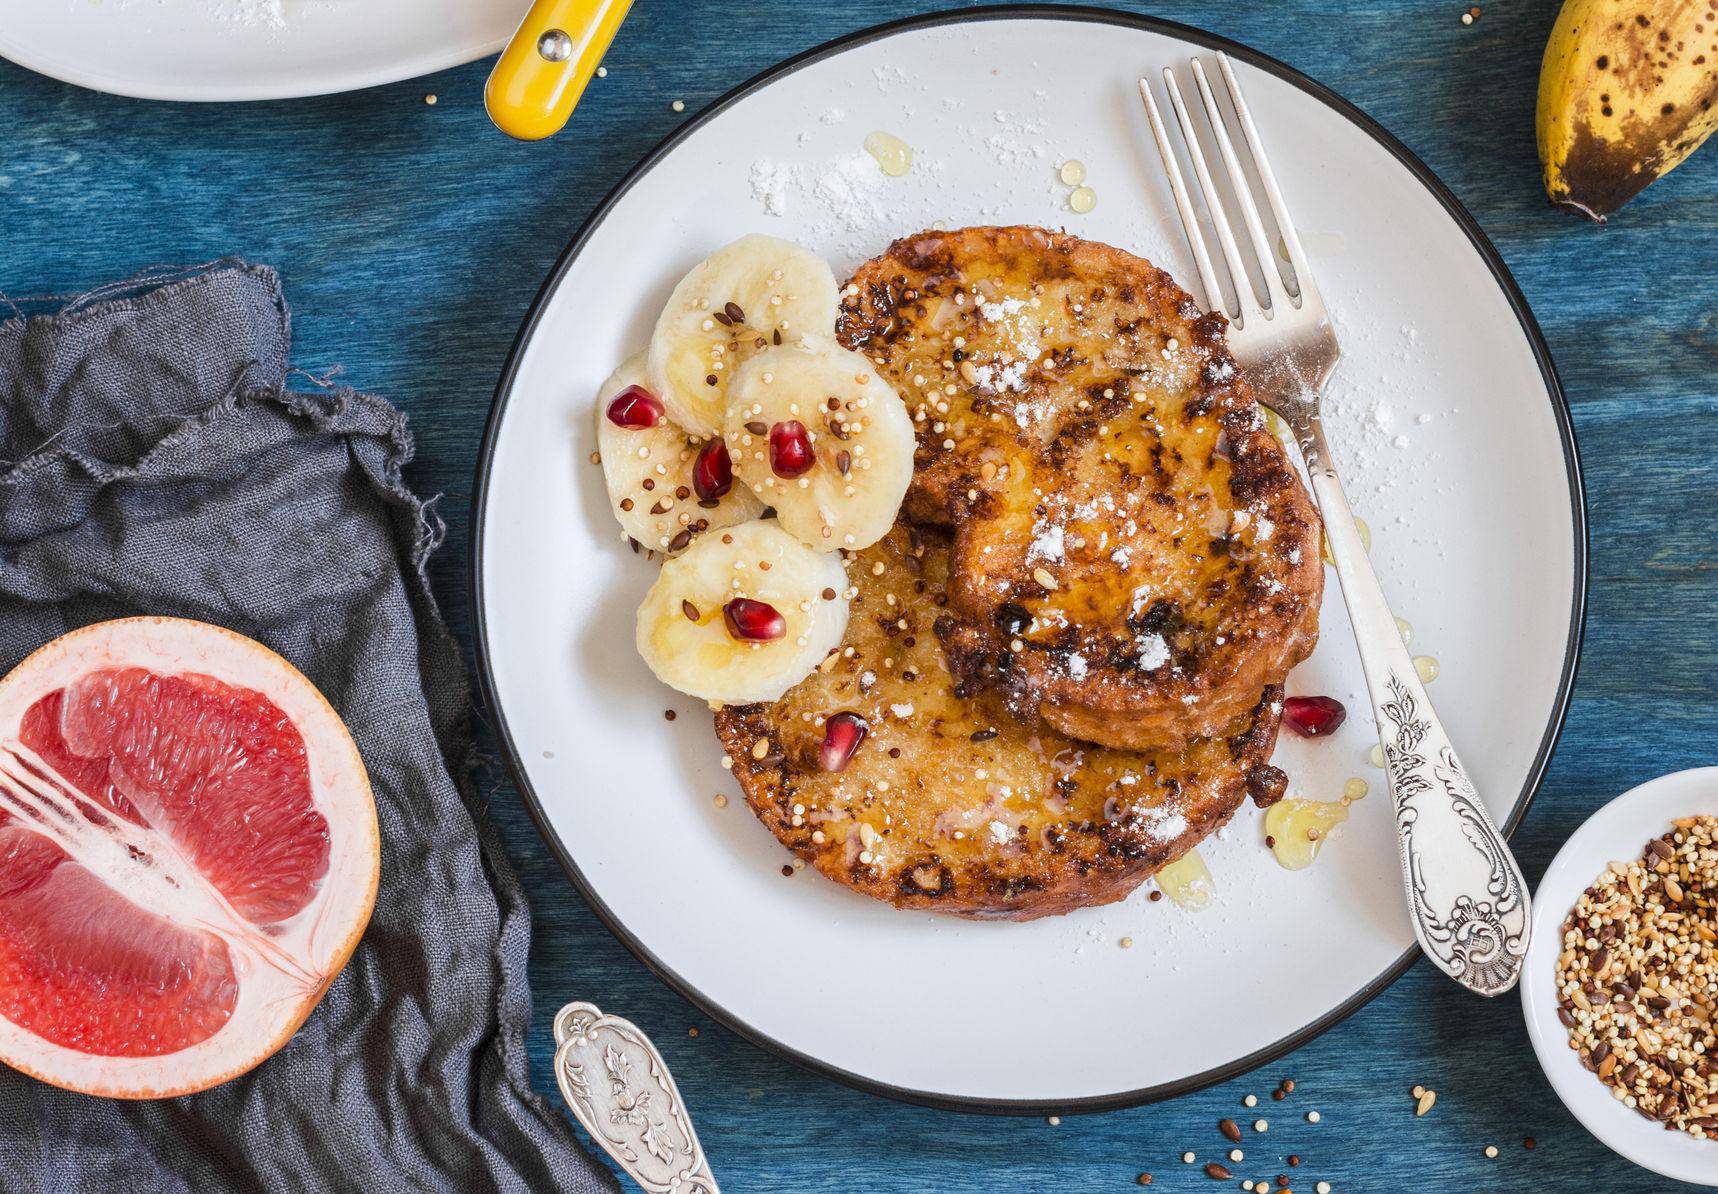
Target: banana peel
point(1627, 90)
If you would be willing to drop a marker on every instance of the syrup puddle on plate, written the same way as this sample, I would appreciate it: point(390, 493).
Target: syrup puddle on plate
point(894, 156)
point(1187, 882)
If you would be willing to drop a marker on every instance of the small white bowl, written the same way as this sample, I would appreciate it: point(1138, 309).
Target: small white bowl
point(1617, 832)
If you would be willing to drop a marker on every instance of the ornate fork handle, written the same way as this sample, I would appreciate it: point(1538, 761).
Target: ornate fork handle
point(1466, 898)
point(619, 1088)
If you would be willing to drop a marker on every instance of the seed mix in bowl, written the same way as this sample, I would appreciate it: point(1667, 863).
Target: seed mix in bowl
point(1637, 979)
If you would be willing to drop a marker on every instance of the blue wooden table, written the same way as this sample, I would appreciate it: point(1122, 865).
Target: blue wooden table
point(412, 237)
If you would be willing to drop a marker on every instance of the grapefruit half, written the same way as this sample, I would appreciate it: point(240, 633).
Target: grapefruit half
point(188, 856)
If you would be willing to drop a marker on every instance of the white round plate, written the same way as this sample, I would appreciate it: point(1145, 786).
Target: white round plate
point(1616, 833)
point(1445, 415)
point(249, 49)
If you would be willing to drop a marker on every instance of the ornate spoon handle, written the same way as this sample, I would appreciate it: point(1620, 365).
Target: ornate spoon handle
point(619, 1088)
point(1465, 894)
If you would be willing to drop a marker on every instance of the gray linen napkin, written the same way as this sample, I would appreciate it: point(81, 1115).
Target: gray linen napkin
point(152, 460)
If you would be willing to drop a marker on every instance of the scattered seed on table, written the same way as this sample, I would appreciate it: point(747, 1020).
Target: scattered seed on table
point(692, 1032)
point(1322, 1188)
point(602, 72)
point(1294, 1160)
point(1313, 1117)
point(1417, 1091)
point(1260, 1125)
point(1217, 1172)
point(678, 105)
point(1491, 1150)
point(1529, 1142)
point(1188, 1158)
point(1144, 1179)
point(1427, 1098)
point(1250, 1101)
point(430, 99)
point(1230, 1129)
point(1055, 1121)
point(1237, 1155)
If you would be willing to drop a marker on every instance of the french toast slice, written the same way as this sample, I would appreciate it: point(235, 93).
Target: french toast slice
point(1135, 561)
point(949, 804)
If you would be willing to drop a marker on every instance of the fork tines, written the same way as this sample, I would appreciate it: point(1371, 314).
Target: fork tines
point(1238, 208)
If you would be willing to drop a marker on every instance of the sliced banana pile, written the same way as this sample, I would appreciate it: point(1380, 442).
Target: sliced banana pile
point(744, 615)
point(819, 435)
point(666, 487)
point(744, 402)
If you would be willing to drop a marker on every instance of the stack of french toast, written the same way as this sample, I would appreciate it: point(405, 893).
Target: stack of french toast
point(1062, 666)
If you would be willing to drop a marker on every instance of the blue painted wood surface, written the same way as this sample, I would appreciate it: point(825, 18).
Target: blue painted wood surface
point(412, 238)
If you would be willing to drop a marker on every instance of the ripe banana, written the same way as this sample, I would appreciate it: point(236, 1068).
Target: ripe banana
point(1627, 90)
point(665, 487)
point(756, 292)
point(818, 433)
point(743, 615)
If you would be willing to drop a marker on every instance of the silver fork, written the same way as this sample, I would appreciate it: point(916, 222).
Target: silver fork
point(1465, 895)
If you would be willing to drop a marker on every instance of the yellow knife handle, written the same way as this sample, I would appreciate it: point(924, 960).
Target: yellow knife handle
point(545, 68)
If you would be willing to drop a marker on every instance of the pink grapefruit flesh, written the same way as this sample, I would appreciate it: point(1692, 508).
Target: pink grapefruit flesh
point(188, 855)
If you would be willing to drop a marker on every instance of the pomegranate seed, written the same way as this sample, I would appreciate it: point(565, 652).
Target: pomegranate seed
point(1313, 717)
point(842, 734)
point(712, 472)
point(753, 621)
point(790, 449)
point(635, 407)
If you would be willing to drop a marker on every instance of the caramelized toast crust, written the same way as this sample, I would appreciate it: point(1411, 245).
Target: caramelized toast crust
point(1134, 562)
point(950, 804)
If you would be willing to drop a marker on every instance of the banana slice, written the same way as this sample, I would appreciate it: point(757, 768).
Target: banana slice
point(756, 292)
point(666, 487)
point(818, 434)
point(743, 615)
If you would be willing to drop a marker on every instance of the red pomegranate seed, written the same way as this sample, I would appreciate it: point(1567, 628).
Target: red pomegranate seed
point(790, 449)
point(1313, 717)
point(634, 407)
point(842, 734)
point(712, 472)
point(753, 621)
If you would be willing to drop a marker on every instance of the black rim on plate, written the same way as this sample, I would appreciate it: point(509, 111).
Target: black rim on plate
point(503, 393)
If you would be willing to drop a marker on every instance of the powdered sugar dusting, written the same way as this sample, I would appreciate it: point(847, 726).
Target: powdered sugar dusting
point(264, 14)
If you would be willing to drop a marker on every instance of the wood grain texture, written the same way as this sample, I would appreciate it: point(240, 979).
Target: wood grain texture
point(413, 237)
